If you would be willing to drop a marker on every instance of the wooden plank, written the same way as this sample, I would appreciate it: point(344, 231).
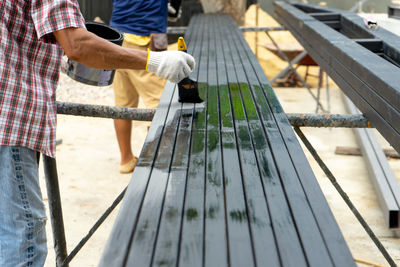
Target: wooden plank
point(327, 226)
point(127, 216)
point(253, 210)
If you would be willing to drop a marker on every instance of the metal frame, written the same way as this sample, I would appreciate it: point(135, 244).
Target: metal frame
point(298, 120)
point(293, 69)
point(394, 12)
point(110, 112)
point(382, 177)
point(364, 63)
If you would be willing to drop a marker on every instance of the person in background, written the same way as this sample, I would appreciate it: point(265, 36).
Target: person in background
point(34, 35)
point(144, 24)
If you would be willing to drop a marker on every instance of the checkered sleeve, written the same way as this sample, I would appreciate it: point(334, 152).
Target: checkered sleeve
point(52, 15)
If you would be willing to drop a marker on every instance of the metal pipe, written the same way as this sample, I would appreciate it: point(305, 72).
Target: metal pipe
point(289, 67)
point(283, 55)
point(176, 30)
point(296, 119)
point(256, 34)
point(358, 6)
point(261, 29)
point(57, 223)
point(109, 112)
point(93, 229)
point(182, 30)
point(328, 120)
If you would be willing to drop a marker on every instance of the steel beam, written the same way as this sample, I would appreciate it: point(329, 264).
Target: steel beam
point(182, 30)
point(382, 177)
point(366, 70)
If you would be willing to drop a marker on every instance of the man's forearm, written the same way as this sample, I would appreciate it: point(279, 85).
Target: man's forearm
point(93, 51)
point(89, 49)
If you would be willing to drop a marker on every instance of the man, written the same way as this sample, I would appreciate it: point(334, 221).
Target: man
point(33, 35)
point(138, 19)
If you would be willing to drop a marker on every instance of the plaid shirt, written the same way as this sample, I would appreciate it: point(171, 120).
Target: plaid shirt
point(30, 61)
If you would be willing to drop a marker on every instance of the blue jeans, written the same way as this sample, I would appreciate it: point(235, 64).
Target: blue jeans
point(22, 213)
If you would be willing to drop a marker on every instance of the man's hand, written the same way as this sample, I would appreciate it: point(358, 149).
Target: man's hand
point(170, 65)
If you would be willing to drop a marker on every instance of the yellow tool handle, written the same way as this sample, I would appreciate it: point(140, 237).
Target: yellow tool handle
point(181, 44)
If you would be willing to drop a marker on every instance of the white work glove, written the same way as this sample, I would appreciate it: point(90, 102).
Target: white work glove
point(171, 65)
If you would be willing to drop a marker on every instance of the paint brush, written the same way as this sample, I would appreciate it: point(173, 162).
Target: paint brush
point(188, 89)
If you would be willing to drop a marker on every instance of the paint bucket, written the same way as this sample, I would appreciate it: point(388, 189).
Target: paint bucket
point(91, 76)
